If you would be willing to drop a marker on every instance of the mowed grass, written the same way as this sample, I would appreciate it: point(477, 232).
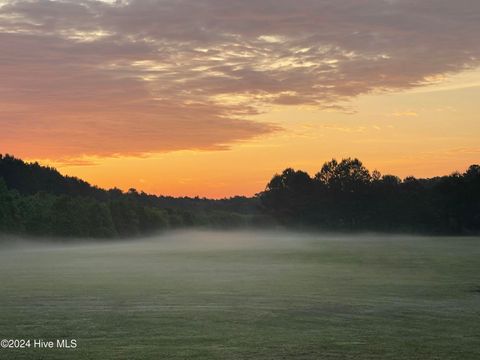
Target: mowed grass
point(246, 295)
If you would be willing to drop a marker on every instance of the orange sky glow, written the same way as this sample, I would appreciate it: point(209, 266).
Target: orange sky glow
point(211, 98)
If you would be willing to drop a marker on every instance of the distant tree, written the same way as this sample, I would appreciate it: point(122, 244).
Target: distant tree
point(69, 217)
point(124, 216)
point(288, 195)
point(100, 222)
point(9, 213)
point(346, 176)
point(37, 213)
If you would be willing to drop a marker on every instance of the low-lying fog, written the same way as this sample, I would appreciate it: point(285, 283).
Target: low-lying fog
point(242, 294)
point(198, 240)
point(223, 255)
point(187, 249)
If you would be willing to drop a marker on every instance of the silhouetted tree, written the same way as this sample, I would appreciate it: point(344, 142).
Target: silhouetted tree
point(345, 196)
point(289, 194)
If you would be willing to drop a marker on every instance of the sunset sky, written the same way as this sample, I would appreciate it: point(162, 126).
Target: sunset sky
point(212, 97)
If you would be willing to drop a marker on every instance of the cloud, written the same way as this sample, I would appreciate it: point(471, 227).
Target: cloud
point(407, 113)
point(133, 77)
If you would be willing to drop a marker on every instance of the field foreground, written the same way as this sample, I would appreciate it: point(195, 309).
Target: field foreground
point(245, 295)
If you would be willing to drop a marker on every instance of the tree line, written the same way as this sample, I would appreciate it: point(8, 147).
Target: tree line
point(342, 196)
point(346, 196)
point(38, 200)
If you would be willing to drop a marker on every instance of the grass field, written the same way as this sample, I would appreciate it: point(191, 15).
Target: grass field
point(245, 295)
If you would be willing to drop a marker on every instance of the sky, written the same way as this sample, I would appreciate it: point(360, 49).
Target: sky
point(213, 97)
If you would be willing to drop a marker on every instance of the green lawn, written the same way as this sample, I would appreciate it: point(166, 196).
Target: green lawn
point(241, 295)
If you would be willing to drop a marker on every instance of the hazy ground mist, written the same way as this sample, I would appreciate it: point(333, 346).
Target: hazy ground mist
point(201, 239)
point(245, 294)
